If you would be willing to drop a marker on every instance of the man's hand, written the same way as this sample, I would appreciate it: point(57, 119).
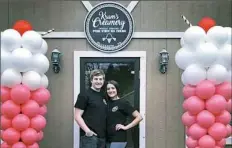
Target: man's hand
point(90, 133)
point(120, 126)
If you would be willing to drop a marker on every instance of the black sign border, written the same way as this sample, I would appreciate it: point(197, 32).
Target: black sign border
point(126, 12)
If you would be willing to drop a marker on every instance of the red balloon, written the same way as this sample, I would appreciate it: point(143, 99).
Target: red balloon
point(194, 105)
point(5, 94)
point(5, 145)
point(224, 89)
point(35, 145)
point(10, 109)
point(216, 104)
point(196, 131)
point(188, 119)
point(41, 96)
point(224, 117)
point(38, 123)
point(189, 91)
point(5, 122)
point(205, 119)
point(191, 143)
point(19, 145)
point(20, 94)
point(229, 105)
point(221, 143)
point(30, 108)
point(21, 122)
point(22, 26)
point(43, 110)
point(218, 131)
point(206, 23)
point(229, 130)
point(205, 89)
point(11, 136)
point(207, 142)
point(40, 135)
point(29, 136)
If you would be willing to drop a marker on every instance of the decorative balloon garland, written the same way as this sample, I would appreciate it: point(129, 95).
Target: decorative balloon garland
point(24, 93)
point(205, 57)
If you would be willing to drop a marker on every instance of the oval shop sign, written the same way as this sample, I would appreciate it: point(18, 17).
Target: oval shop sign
point(109, 27)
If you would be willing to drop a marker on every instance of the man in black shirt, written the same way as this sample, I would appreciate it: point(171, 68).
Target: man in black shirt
point(90, 113)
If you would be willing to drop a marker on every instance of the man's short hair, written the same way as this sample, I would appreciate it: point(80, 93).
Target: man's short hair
point(97, 72)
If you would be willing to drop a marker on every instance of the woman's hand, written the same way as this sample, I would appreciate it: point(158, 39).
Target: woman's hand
point(120, 126)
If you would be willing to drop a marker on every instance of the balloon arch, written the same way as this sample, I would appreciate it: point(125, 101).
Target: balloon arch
point(205, 58)
point(24, 93)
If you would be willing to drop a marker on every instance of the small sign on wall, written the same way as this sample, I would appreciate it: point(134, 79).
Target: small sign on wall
point(109, 27)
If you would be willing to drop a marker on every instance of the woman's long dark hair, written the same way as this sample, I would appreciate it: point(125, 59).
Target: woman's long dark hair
point(116, 85)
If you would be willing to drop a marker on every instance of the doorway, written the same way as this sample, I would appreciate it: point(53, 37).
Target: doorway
point(126, 70)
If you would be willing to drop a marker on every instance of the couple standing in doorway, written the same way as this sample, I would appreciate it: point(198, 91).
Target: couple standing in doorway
point(102, 115)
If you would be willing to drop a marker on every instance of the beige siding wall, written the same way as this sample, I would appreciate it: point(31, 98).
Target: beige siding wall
point(164, 100)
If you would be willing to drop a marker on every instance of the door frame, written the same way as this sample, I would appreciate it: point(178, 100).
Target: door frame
point(142, 95)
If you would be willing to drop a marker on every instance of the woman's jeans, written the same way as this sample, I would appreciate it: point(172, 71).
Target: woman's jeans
point(92, 142)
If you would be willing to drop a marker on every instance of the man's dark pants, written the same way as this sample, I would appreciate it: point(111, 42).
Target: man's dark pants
point(92, 142)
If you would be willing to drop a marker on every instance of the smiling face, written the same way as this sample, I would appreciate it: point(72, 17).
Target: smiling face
point(97, 82)
point(111, 90)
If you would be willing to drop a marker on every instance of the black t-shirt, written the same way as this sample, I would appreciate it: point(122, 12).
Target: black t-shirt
point(118, 111)
point(95, 111)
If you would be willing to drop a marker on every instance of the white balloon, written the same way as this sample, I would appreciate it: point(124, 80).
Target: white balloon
point(32, 80)
point(217, 74)
point(206, 54)
point(40, 63)
point(217, 35)
point(32, 41)
point(225, 54)
point(194, 74)
point(43, 49)
point(44, 81)
point(10, 40)
point(10, 78)
point(21, 59)
point(183, 79)
point(228, 76)
point(182, 42)
point(184, 58)
point(228, 30)
point(6, 60)
point(194, 36)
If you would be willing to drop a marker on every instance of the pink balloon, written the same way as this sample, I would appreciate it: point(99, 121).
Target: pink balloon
point(221, 143)
point(205, 89)
point(224, 89)
point(10, 109)
point(30, 108)
point(5, 145)
point(207, 142)
point(194, 105)
point(20, 94)
point(35, 145)
point(218, 131)
point(21, 122)
point(11, 136)
point(19, 145)
point(43, 110)
point(40, 135)
point(41, 96)
point(5, 94)
point(5, 122)
point(217, 147)
point(191, 143)
point(187, 131)
point(229, 106)
point(196, 131)
point(29, 136)
point(224, 117)
point(38, 123)
point(216, 104)
point(189, 91)
point(188, 119)
point(205, 119)
point(229, 130)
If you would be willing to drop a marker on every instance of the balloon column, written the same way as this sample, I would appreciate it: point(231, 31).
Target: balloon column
point(205, 57)
point(24, 93)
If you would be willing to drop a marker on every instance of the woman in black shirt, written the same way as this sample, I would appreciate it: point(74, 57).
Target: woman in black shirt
point(118, 111)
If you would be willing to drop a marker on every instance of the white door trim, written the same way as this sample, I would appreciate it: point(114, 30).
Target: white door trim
point(142, 56)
